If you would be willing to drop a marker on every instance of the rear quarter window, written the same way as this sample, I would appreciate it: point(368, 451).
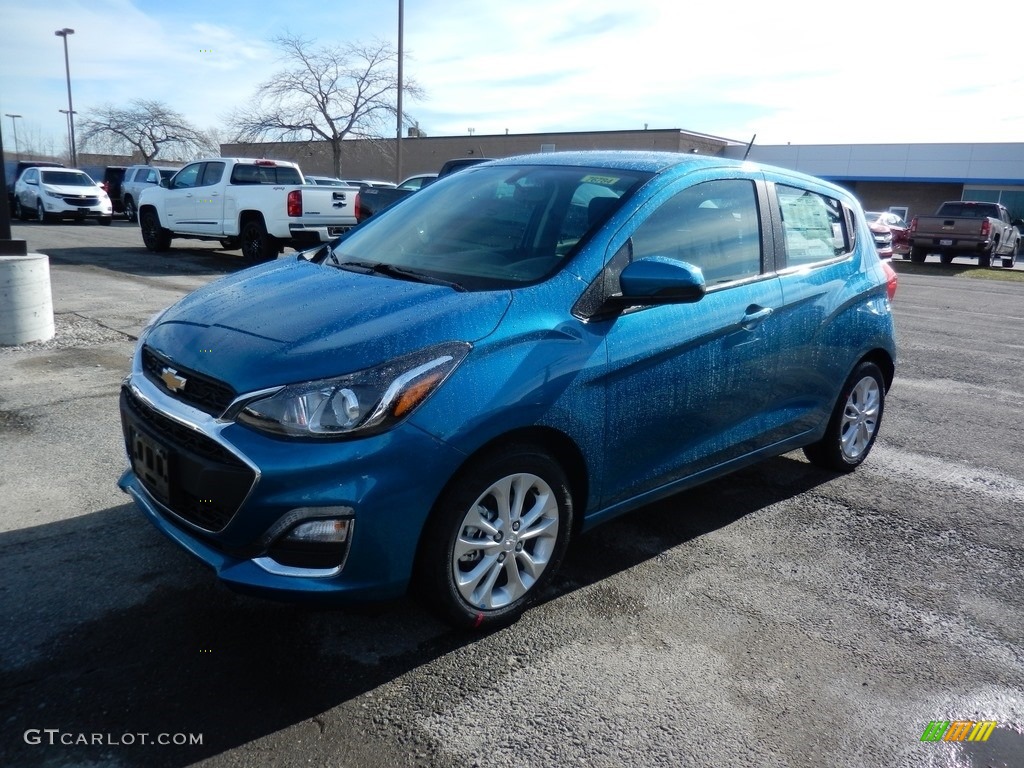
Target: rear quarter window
point(814, 225)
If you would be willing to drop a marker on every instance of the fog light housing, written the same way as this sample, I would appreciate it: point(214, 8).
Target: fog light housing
point(314, 545)
point(327, 531)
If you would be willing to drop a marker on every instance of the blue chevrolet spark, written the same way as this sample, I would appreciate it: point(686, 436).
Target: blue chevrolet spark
point(441, 399)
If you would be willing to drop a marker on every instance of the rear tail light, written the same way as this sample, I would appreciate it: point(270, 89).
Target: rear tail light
point(295, 202)
point(913, 225)
point(891, 280)
point(986, 228)
point(360, 214)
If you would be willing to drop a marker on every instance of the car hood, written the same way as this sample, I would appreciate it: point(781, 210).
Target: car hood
point(72, 189)
point(293, 321)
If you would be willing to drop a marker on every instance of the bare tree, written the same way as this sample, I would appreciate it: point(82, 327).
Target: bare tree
point(327, 93)
point(145, 126)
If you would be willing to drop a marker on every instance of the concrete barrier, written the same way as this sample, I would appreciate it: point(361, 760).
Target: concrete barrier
point(26, 304)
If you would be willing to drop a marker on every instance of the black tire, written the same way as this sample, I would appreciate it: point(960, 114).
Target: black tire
point(855, 421)
point(230, 243)
point(41, 216)
point(130, 211)
point(257, 245)
point(106, 221)
point(946, 258)
point(985, 260)
point(918, 255)
point(19, 211)
point(1010, 259)
point(490, 585)
point(156, 238)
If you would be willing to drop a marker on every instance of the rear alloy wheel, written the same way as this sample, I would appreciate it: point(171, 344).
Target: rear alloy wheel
point(19, 210)
point(496, 537)
point(257, 245)
point(854, 423)
point(986, 259)
point(130, 211)
point(918, 255)
point(156, 238)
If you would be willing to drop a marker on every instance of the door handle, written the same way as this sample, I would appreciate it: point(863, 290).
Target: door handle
point(754, 316)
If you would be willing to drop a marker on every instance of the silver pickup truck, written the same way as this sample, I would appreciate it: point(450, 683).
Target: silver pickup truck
point(259, 206)
point(966, 228)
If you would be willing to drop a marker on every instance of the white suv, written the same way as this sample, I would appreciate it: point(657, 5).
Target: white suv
point(60, 193)
point(138, 178)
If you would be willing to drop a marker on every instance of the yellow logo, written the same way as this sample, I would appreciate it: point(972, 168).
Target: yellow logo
point(172, 380)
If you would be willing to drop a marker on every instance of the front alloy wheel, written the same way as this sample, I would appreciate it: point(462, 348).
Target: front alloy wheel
point(497, 536)
point(854, 423)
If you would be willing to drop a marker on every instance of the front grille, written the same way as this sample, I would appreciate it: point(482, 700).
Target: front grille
point(81, 201)
point(206, 483)
point(200, 391)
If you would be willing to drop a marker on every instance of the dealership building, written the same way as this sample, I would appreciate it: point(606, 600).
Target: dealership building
point(911, 179)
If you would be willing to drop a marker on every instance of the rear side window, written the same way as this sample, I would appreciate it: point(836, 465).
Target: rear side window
point(814, 226)
point(265, 174)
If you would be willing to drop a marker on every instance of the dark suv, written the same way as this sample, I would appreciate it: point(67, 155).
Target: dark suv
point(110, 178)
point(17, 170)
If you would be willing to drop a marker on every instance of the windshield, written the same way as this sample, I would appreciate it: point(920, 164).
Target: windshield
point(492, 227)
point(67, 179)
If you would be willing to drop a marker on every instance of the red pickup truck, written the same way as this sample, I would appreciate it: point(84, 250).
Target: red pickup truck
point(966, 228)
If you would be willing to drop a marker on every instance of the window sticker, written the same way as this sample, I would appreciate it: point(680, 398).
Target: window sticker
point(594, 179)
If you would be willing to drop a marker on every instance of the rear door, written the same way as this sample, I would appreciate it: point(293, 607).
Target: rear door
point(818, 254)
point(209, 212)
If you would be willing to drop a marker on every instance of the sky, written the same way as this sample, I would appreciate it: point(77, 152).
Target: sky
point(790, 72)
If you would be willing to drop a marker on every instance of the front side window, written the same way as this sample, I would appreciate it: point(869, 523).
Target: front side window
point(187, 176)
point(713, 225)
point(814, 226)
point(492, 227)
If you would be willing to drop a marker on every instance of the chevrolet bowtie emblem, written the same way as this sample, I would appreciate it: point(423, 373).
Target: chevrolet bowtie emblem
point(172, 380)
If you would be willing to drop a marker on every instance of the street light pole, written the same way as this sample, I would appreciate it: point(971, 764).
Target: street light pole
point(71, 110)
point(398, 137)
point(67, 117)
point(14, 127)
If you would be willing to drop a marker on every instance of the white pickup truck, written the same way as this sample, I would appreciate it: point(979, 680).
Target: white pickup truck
point(259, 206)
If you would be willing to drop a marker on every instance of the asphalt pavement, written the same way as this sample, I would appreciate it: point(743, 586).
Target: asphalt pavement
point(784, 616)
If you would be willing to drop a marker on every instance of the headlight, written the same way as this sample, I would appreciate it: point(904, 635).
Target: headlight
point(365, 402)
point(51, 193)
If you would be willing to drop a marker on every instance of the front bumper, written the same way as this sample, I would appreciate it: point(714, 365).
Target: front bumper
point(254, 486)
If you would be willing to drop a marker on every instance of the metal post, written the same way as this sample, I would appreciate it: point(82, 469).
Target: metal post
point(71, 110)
point(398, 137)
point(14, 127)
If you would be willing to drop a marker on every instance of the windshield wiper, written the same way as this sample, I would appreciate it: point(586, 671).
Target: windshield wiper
point(412, 275)
point(390, 270)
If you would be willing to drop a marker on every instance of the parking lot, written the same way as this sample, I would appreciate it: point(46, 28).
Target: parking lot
point(784, 616)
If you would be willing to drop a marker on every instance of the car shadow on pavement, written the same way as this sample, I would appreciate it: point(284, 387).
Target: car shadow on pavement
point(138, 261)
point(111, 630)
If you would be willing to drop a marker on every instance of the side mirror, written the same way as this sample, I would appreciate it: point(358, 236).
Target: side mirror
point(659, 280)
point(165, 183)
